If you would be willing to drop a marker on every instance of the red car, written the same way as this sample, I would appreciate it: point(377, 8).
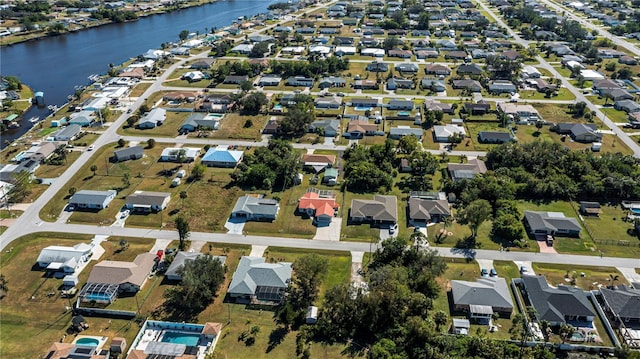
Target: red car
point(159, 254)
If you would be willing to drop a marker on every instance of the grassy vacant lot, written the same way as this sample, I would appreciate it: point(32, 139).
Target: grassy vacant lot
point(240, 127)
point(593, 276)
point(612, 234)
point(139, 89)
point(204, 215)
point(168, 129)
point(51, 171)
point(615, 115)
point(287, 223)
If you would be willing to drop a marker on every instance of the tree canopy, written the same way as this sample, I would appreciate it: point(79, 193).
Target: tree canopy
point(266, 167)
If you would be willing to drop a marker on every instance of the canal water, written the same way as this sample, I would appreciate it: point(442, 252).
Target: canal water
point(55, 65)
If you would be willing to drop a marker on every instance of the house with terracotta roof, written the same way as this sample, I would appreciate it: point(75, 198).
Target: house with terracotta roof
point(361, 128)
point(322, 206)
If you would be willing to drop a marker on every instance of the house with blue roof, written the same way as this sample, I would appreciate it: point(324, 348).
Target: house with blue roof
point(222, 156)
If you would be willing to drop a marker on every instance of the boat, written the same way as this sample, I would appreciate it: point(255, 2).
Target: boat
point(13, 124)
point(34, 119)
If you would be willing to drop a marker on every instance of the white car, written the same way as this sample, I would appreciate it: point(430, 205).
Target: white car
point(393, 229)
point(90, 148)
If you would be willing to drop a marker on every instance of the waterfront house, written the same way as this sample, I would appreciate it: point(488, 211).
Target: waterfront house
point(68, 133)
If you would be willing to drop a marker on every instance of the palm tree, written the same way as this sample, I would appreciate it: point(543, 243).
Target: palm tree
point(440, 319)
point(4, 288)
point(183, 196)
point(94, 168)
point(613, 278)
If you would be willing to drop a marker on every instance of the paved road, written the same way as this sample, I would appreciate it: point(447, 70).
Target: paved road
point(565, 82)
point(154, 234)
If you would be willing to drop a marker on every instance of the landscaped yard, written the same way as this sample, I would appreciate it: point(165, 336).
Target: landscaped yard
point(29, 315)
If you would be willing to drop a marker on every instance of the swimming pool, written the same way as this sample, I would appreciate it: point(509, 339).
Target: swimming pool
point(635, 211)
point(577, 337)
point(404, 113)
point(190, 340)
point(359, 108)
point(88, 341)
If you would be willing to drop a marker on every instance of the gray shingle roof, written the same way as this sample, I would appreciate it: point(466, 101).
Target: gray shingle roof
point(624, 301)
point(550, 220)
point(256, 206)
point(381, 208)
point(491, 291)
point(553, 304)
point(423, 209)
point(253, 272)
point(91, 197)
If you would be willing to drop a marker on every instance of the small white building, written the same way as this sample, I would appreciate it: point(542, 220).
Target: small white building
point(63, 258)
point(591, 75)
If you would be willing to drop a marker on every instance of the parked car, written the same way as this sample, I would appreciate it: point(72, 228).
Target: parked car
point(484, 272)
point(493, 272)
point(393, 229)
point(523, 269)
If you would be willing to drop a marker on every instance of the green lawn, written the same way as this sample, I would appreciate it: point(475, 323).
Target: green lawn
point(593, 275)
point(235, 126)
point(615, 115)
point(563, 95)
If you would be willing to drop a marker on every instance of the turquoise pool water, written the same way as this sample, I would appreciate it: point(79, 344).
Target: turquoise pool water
point(358, 108)
point(404, 113)
point(88, 341)
point(577, 336)
point(635, 211)
point(181, 338)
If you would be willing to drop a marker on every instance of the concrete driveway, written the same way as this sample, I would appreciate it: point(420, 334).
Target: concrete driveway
point(235, 225)
point(485, 263)
point(330, 232)
point(527, 265)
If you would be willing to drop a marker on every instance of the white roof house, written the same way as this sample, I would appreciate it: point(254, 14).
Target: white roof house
point(375, 52)
point(529, 71)
point(320, 49)
point(153, 118)
point(154, 54)
point(193, 76)
point(591, 75)
point(193, 43)
point(171, 153)
point(441, 133)
point(64, 258)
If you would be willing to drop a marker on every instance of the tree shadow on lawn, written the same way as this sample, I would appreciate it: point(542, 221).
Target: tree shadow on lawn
point(276, 337)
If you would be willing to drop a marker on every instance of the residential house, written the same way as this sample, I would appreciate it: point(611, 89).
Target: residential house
point(455, 55)
point(255, 279)
point(330, 128)
point(200, 121)
point(88, 199)
point(147, 202)
point(525, 113)
point(343, 41)
point(345, 50)
point(328, 102)
point(321, 205)
point(400, 131)
point(270, 80)
point(399, 83)
point(255, 208)
point(578, 131)
point(551, 223)
point(272, 127)
point(477, 108)
point(64, 258)
point(331, 81)
point(427, 53)
point(591, 75)
point(623, 303)
point(300, 81)
point(365, 84)
point(470, 85)
point(372, 51)
point(179, 154)
point(460, 171)
point(193, 76)
point(403, 54)
point(174, 272)
point(129, 277)
point(365, 102)
point(441, 133)
point(437, 69)
point(407, 67)
point(222, 156)
point(618, 94)
point(627, 60)
point(377, 67)
point(502, 86)
point(557, 305)
point(400, 105)
point(218, 103)
point(469, 69)
point(530, 72)
point(318, 162)
point(628, 106)
point(235, 79)
point(153, 118)
point(427, 210)
point(68, 133)
point(494, 137)
point(435, 105)
point(434, 85)
point(261, 38)
point(180, 96)
point(202, 64)
point(481, 298)
point(360, 128)
point(379, 210)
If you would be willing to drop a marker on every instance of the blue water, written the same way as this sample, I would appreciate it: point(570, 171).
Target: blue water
point(635, 211)
point(358, 108)
point(88, 341)
point(190, 340)
point(55, 65)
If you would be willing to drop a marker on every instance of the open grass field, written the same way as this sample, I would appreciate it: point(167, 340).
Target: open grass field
point(593, 276)
point(235, 126)
point(139, 89)
point(51, 171)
